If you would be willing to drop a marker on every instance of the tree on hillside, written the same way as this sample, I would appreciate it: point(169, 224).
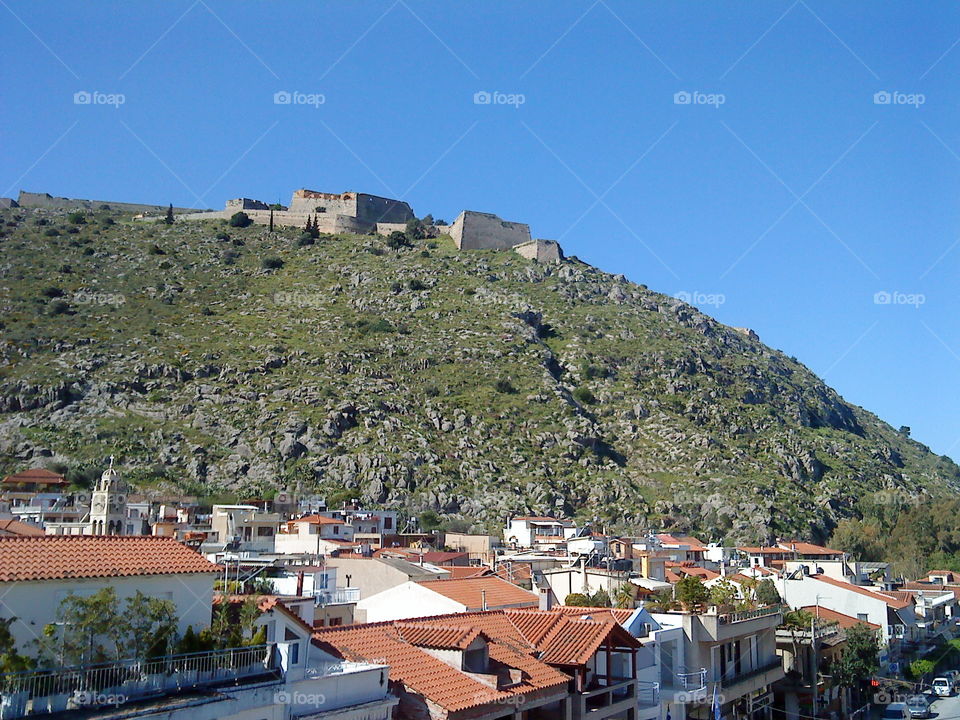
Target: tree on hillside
point(271, 219)
point(397, 240)
point(415, 230)
point(240, 219)
point(577, 600)
point(169, 218)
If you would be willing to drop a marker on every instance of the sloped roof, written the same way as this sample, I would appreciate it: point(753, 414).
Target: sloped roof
point(58, 557)
point(933, 587)
point(38, 476)
point(805, 548)
point(442, 637)
point(895, 603)
point(442, 684)
point(544, 519)
point(472, 592)
point(844, 621)
point(317, 520)
point(266, 603)
point(12, 526)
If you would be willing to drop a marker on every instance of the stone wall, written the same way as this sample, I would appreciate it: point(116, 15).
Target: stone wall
point(6, 203)
point(376, 209)
point(485, 231)
point(384, 228)
point(545, 251)
point(49, 202)
point(245, 204)
point(307, 201)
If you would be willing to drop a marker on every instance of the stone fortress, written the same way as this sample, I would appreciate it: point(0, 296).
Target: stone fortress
point(353, 212)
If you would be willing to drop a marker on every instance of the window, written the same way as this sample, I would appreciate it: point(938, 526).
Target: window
point(862, 616)
point(264, 531)
point(336, 621)
point(387, 523)
point(295, 654)
point(336, 529)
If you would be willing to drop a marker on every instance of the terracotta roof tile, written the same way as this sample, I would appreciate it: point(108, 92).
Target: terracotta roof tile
point(844, 621)
point(805, 548)
point(37, 476)
point(56, 557)
point(895, 603)
point(432, 636)
point(471, 592)
point(12, 526)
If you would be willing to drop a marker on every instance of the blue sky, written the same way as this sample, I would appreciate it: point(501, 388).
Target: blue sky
point(785, 196)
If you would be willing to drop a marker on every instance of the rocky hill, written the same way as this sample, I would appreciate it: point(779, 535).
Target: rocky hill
point(479, 383)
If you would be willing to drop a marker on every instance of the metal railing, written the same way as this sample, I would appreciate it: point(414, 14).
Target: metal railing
point(744, 615)
point(763, 667)
point(77, 687)
point(690, 681)
point(648, 693)
point(336, 596)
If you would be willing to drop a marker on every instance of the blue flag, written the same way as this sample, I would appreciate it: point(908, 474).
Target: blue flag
point(717, 715)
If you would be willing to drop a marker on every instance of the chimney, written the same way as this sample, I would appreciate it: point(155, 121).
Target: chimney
point(483, 599)
point(300, 583)
point(546, 599)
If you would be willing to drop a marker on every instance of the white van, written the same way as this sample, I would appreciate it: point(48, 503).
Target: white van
point(942, 687)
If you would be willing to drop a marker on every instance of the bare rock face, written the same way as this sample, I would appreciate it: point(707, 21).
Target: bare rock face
point(475, 382)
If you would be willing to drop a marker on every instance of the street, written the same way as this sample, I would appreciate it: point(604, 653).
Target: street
point(947, 708)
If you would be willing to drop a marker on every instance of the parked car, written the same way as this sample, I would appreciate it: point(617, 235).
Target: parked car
point(943, 686)
point(954, 677)
point(918, 706)
point(896, 711)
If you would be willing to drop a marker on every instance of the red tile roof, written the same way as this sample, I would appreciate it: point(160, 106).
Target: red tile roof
point(844, 621)
point(895, 603)
point(451, 689)
point(37, 476)
point(472, 592)
point(933, 587)
point(544, 519)
point(57, 557)
point(805, 548)
point(763, 550)
point(19, 528)
point(432, 636)
point(317, 520)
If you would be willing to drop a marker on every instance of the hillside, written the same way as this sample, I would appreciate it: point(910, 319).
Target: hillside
point(476, 383)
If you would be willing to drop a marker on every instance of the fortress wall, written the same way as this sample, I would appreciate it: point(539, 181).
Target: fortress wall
point(485, 231)
point(325, 223)
point(48, 202)
point(385, 228)
point(540, 250)
point(375, 209)
point(307, 201)
point(239, 204)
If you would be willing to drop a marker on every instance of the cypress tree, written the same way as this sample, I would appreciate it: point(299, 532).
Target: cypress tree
point(169, 218)
point(271, 219)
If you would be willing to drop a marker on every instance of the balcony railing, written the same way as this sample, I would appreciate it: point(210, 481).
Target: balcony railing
point(744, 615)
point(648, 694)
point(764, 667)
point(337, 596)
point(87, 687)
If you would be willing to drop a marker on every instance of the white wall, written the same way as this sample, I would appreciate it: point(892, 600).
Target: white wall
point(35, 604)
point(803, 592)
point(408, 600)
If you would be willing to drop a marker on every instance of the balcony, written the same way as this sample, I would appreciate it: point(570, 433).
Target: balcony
point(685, 687)
point(766, 672)
point(106, 685)
point(337, 596)
point(726, 626)
point(607, 701)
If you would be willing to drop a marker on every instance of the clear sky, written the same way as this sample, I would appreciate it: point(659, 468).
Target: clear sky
point(783, 196)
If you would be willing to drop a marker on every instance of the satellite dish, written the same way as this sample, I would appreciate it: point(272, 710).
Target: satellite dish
point(82, 499)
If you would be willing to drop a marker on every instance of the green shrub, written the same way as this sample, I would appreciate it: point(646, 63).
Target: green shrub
point(76, 218)
point(223, 235)
point(52, 292)
point(52, 232)
point(305, 239)
point(271, 263)
point(504, 386)
point(576, 600)
point(240, 220)
point(370, 327)
point(416, 285)
point(59, 307)
point(397, 240)
point(156, 250)
point(584, 396)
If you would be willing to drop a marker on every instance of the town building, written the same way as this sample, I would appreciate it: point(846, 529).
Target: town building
point(539, 533)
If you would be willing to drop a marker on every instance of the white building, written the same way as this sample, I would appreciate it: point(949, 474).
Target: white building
point(37, 573)
point(539, 532)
